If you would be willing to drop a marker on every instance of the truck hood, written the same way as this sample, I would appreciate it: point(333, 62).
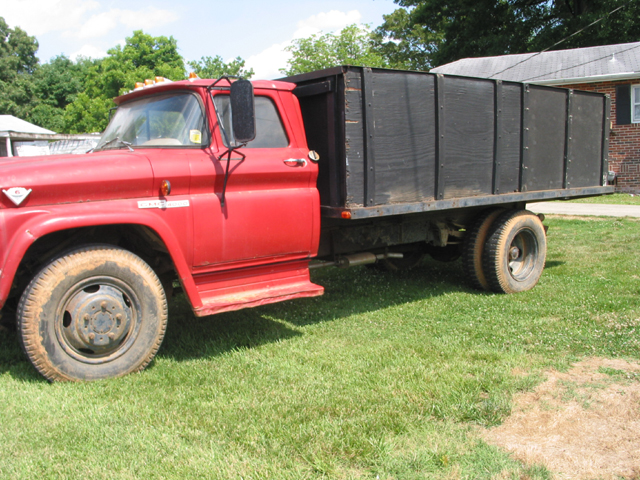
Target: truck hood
point(76, 178)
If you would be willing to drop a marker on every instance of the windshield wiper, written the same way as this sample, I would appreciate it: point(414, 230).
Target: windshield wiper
point(118, 141)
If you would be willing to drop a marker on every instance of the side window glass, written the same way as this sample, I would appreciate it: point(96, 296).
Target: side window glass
point(270, 132)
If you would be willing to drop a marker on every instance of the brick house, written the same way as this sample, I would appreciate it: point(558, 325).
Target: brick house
point(610, 69)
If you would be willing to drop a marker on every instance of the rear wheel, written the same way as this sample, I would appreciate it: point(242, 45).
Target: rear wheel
point(515, 252)
point(96, 312)
point(473, 248)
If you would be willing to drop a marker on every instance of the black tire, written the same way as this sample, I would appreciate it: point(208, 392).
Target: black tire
point(515, 252)
point(93, 313)
point(473, 248)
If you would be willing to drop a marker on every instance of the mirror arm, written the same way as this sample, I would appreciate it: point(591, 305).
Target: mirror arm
point(228, 153)
point(224, 77)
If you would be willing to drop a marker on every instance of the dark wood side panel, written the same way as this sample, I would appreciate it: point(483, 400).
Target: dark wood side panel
point(354, 139)
point(543, 167)
point(469, 137)
point(583, 165)
point(322, 113)
point(511, 137)
point(404, 135)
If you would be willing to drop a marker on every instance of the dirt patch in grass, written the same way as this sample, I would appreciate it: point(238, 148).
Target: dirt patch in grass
point(582, 424)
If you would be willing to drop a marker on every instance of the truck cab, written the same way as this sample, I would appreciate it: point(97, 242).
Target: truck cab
point(169, 185)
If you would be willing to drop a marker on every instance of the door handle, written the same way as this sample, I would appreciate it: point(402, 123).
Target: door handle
point(296, 162)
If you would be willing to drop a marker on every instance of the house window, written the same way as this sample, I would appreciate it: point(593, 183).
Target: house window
point(635, 104)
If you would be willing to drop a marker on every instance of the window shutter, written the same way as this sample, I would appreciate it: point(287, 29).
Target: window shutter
point(623, 104)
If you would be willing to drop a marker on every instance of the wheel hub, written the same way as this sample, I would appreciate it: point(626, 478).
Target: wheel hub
point(522, 254)
point(97, 319)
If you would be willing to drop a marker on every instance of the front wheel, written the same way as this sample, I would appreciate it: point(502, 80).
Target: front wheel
point(96, 312)
point(515, 252)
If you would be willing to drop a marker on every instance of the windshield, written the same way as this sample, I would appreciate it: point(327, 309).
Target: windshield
point(169, 120)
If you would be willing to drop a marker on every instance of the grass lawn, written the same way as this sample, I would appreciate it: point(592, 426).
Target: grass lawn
point(388, 375)
point(613, 199)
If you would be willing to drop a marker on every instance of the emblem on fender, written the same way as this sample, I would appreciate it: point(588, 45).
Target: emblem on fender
point(17, 194)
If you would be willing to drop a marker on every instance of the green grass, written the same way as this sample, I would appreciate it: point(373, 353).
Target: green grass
point(613, 199)
point(389, 375)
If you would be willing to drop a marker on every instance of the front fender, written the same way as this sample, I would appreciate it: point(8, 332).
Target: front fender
point(20, 228)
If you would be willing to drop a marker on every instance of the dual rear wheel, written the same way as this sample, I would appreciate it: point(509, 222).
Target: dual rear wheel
point(504, 251)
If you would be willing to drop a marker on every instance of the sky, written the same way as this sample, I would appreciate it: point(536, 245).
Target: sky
point(256, 30)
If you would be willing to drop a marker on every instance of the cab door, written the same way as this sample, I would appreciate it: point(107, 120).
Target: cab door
point(271, 209)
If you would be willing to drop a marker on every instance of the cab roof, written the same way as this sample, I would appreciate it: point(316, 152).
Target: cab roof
point(167, 86)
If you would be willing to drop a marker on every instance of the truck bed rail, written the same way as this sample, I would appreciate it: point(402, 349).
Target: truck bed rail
point(399, 142)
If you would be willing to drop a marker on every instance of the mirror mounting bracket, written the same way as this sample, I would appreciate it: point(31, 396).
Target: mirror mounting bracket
point(243, 123)
point(228, 153)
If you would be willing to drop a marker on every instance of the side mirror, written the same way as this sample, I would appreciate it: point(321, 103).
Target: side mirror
point(243, 111)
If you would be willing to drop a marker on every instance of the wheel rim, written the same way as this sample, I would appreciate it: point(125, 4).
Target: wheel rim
point(522, 255)
point(98, 320)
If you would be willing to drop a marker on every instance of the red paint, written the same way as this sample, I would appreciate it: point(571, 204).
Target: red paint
point(254, 250)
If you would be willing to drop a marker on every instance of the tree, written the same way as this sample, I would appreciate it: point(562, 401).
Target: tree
point(564, 18)
point(215, 67)
point(75, 97)
point(36, 93)
point(436, 32)
point(142, 57)
point(86, 114)
point(354, 45)
point(404, 42)
point(57, 84)
point(17, 62)
point(17, 51)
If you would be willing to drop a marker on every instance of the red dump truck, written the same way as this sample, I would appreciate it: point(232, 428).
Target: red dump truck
point(232, 191)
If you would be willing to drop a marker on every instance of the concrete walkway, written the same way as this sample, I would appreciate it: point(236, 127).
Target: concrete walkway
point(601, 210)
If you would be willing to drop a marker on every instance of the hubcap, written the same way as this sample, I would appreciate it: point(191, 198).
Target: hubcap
point(98, 321)
point(522, 255)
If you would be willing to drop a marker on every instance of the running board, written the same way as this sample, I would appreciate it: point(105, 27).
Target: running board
point(254, 286)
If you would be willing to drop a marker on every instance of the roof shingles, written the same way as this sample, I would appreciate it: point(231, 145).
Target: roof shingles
point(588, 64)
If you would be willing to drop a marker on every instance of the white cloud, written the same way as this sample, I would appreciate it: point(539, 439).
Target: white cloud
point(96, 26)
point(38, 17)
point(88, 51)
point(326, 22)
point(267, 63)
point(148, 18)
point(102, 23)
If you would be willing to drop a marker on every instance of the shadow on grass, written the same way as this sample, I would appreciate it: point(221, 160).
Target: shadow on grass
point(347, 292)
point(553, 264)
point(13, 360)
point(190, 337)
